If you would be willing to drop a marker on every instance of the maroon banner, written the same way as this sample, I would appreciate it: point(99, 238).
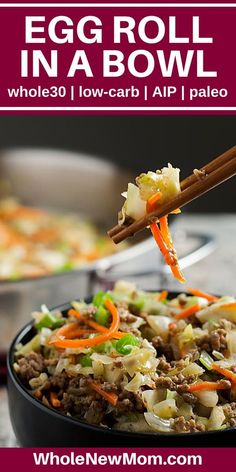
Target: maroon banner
point(201, 459)
point(118, 57)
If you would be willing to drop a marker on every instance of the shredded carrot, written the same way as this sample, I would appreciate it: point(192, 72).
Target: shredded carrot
point(67, 330)
point(94, 324)
point(172, 326)
point(163, 239)
point(228, 305)
point(22, 212)
point(77, 343)
point(92, 255)
point(71, 331)
point(109, 396)
point(54, 400)
point(199, 293)
point(165, 231)
point(191, 310)
point(151, 202)
point(163, 295)
point(38, 394)
point(225, 372)
point(177, 273)
point(169, 258)
point(75, 313)
point(164, 227)
point(199, 387)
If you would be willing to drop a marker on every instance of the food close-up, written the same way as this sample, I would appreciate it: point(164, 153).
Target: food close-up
point(136, 361)
point(117, 299)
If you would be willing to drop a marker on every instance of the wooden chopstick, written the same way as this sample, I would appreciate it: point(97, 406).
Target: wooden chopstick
point(211, 175)
point(210, 167)
point(206, 169)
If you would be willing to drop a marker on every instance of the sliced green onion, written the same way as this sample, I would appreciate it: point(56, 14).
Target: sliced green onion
point(102, 316)
point(86, 360)
point(49, 321)
point(206, 360)
point(125, 345)
point(67, 266)
point(100, 297)
point(218, 355)
point(137, 304)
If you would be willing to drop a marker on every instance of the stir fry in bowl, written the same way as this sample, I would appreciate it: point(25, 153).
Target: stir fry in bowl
point(34, 242)
point(136, 361)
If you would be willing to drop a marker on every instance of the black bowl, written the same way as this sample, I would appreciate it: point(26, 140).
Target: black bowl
point(36, 425)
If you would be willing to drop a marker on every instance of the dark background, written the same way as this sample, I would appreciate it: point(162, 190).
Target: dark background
point(136, 142)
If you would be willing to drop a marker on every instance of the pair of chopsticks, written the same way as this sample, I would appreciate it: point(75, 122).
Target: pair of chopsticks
point(199, 182)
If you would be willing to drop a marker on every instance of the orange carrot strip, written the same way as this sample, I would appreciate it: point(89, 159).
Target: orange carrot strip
point(225, 372)
point(169, 258)
point(191, 310)
point(54, 400)
point(177, 273)
point(164, 240)
point(172, 326)
point(151, 202)
point(71, 331)
point(109, 396)
point(199, 293)
point(165, 231)
point(94, 324)
point(67, 329)
point(228, 305)
point(77, 343)
point(199, 387)
point(75, 313)
point(163, 295)
point(175, 269)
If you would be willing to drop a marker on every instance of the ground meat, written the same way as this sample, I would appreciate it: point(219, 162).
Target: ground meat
point(178, 382)
point(128, 401)
point(31, 365)
point(59, 381)
point(125, 315)
point(123, 406)
point(230, 413)
point(51, 362)
point(165, 382)
point(90, 311)
point(189, 398)
point(95, 412)
point(108, 387)
point(200, 174)
point(162, 347)
point(182, 299)
point(181, 425)
point(78, 398)
point(164, 365)
point(215, 340)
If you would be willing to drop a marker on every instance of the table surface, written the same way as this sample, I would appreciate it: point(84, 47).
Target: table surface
point(215, 274)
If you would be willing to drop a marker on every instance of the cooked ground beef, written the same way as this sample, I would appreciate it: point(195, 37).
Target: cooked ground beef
point(31, 366)
point(189, 398)
point(216, 340)
point(162, 347)
point(181, 425)
point(126, 316)
point(59, 381)
point(95, 412)
point(230, 413)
